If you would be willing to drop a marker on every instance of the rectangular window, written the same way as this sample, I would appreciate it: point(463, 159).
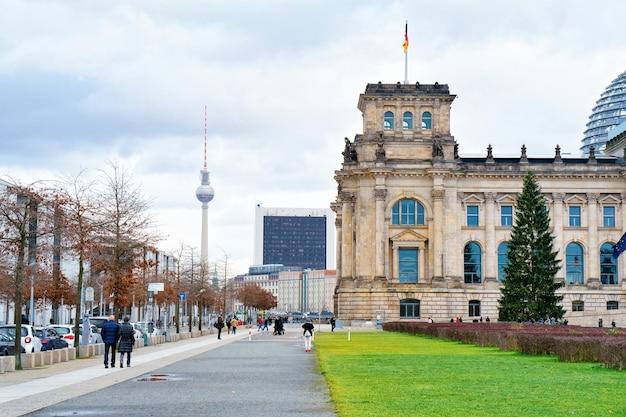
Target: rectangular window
point(578, 306)
point(408, 212)
point(574, 216)
point(407, 265)
point(472, 215)
point(410, 308)
point(474, 308)
point(609, 216)
point(506, 215)
point(612, 305)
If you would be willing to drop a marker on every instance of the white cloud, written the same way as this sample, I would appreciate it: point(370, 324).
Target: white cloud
point(281, 79)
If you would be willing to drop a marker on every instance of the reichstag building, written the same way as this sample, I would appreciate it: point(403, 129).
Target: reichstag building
point(422, 232)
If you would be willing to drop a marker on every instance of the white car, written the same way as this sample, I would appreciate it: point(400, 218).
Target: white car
point(66, 331)
point(30, 342)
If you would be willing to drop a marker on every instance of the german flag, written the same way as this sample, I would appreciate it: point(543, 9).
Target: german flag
point(406, 37)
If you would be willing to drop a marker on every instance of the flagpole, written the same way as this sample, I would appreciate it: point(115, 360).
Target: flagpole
point(406, 52)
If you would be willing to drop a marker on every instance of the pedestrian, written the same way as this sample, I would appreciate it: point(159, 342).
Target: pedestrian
point(110, 335)
point(219, 326)
point(332, 324)
point(233, 324)
point(308, 334)
point(127, 340)
point(266, 324)
point(613, 323)
point(228, 324)
point(260, 323)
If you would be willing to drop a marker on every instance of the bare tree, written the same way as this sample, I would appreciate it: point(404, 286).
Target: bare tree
point(81, 213)
point(25, 217)
point(127, 230)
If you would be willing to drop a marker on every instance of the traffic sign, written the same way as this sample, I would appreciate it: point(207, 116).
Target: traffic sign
point(183, 296)
point(89, 294)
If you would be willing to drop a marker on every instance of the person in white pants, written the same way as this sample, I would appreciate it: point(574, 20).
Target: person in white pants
point(308, 334)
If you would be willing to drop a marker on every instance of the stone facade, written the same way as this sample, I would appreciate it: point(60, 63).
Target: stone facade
point(421, 229)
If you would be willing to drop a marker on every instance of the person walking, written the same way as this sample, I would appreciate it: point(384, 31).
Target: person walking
point(127, 340)
point(233, 324)
point(308, 334)
point(219, 326)
point(228, 324)
point(110, 335)
point(332, 324)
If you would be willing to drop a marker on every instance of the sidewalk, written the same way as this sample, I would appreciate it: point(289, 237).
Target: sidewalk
point(28, 390)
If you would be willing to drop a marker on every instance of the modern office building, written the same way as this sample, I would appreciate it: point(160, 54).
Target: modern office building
point(295, 289)
point(294, 237)
point(609, 111)
point(422, 231)
point(305, 291)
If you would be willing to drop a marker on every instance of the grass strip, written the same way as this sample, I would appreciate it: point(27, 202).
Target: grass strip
point(395, 374)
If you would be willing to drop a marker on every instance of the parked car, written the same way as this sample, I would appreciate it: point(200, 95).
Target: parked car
point(297, 316)
point(148, 327)
point(65, 331)
point(30, 342)
point(50, 339)
point(94, 336)
point(98, 321)
point(7, 345)
point(138, 332)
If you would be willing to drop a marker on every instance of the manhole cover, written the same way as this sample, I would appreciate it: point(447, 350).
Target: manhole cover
point(154, 377)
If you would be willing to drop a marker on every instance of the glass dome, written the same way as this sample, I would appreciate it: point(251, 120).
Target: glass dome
point(609, 111)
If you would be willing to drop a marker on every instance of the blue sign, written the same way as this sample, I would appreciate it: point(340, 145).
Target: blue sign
point(183, 296)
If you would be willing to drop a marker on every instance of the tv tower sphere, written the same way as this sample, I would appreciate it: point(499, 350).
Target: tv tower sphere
point(204, 192)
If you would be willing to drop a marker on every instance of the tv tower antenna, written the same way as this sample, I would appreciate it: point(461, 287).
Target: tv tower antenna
point(205, 194)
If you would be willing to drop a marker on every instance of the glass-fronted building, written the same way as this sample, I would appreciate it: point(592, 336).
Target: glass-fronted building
point(609, 111)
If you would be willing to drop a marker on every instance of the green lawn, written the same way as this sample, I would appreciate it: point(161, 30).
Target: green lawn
point(394, 374)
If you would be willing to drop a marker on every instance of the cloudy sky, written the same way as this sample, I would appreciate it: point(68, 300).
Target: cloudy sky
point(83, 82)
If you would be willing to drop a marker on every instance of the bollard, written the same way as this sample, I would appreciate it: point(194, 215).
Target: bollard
point(348, 333)
point(249, 335)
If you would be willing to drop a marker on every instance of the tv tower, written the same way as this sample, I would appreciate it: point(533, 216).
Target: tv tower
point(205, 193)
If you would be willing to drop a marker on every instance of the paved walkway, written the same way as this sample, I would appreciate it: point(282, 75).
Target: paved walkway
point(26, 391)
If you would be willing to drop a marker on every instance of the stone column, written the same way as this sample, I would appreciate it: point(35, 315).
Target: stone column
point(592, 265)
point(347, 229)
point(438, 224)
point(491, 261)
point(558, 231)
point(380, 195)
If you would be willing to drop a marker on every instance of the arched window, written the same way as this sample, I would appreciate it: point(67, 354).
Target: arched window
point(472, 263)
point(407, 120)
point(608, 265)
point(388, 121)
point(427, 120)
point(407, 211)
point(410, 308)
point(407, 265)
point(574, 264)
point(503, 260)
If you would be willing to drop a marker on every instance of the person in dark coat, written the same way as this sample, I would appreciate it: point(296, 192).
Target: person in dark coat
point(219, 325)
point(127, 340)
point(110, 335)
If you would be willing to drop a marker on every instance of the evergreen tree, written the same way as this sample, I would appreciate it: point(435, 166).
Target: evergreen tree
point(529, 289)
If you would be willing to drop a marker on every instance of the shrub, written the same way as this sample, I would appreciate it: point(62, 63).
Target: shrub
point(568, 343)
